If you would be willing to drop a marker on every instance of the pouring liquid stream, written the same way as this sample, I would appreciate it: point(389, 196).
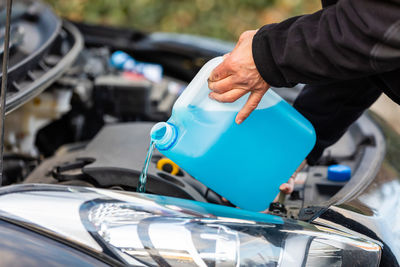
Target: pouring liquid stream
point(141, 187)
point(161, 134)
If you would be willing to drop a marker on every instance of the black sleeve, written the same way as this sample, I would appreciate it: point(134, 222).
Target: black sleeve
point(345, 41)
point(331, 108)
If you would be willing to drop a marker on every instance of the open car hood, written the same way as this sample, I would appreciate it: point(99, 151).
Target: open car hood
point(42, 47)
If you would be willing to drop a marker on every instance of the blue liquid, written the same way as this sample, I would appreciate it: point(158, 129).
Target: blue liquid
point(244, 163)
point(141, 188)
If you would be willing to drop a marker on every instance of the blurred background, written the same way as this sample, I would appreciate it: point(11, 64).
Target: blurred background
point(220, 19)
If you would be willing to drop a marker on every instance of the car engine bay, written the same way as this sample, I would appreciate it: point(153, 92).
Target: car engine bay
point(89, 125)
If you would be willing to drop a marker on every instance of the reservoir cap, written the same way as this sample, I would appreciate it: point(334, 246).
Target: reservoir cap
point(168, 165)
point(118, 59)
point(339, 173)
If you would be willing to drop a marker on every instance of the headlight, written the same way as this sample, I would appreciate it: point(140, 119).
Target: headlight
point(169, 235)
point(148, 230)
point(156, 238)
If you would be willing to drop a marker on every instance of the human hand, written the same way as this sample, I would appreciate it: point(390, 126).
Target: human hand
point(287, 188)
point(236, 76)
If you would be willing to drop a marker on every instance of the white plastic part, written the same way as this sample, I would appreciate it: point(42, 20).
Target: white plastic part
point(197, 91)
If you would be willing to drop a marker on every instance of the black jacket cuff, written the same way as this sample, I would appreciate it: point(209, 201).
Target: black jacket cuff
point(264, 60)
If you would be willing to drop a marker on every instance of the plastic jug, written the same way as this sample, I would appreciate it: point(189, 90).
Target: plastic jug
point(244, 163)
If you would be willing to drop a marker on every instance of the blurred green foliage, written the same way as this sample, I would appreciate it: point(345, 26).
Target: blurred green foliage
point(224, 19)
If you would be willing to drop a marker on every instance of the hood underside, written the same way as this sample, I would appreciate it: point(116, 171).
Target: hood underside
point(41, 49)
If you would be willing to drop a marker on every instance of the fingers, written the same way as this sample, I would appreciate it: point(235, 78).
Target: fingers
point(287, 188)
point(222, 71)
point(221, 86)
point(251, 104)
point(229, 96)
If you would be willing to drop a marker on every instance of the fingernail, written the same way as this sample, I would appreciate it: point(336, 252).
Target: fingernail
point(239, 121)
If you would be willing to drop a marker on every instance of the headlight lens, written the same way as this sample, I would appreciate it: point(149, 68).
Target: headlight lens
point(168, 235)
point(160, 237)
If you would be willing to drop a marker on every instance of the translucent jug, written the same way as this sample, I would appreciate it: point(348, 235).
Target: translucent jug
point(244, 163)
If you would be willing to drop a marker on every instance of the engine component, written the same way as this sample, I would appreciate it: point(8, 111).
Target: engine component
point(277, 208)
point(23, 123)
point(115, 158)
point(168, 165)
point(16, 167)
point(339, 173)
point(122, 97)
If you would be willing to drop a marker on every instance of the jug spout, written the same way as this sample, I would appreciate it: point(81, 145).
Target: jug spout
point(164, 135)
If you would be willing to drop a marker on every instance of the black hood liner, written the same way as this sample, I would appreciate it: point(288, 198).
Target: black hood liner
point(34, 29)
point(42, 48)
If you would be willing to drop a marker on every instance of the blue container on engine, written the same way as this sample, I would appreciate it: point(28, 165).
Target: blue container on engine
point(244, 163)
